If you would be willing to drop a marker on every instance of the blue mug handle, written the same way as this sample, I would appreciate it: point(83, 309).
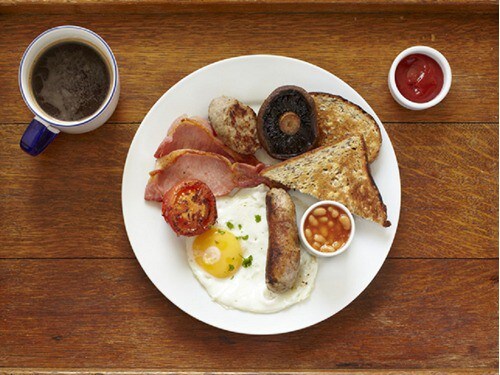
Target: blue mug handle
point(37, 137)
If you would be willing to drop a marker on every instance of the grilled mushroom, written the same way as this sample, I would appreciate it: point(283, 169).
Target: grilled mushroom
point(287, 123)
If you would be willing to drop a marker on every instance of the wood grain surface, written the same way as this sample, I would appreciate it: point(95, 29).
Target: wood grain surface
point(72, 295)
point(245, 6)
point(442, 371)
point(156, 51)
point(107, 314)
point(449, 178)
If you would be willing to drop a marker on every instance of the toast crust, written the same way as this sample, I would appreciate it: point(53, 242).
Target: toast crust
point(338, 117)
point(338, 172)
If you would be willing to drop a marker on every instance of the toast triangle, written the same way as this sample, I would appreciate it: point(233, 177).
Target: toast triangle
point(339, 172)
point(338, 117)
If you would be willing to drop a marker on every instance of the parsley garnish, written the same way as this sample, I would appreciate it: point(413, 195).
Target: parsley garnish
point(220, 231)
point(231, 267)
point(245, 237)
point(240, 226)
point(230, 225)
point(247, 262)
point(257, 218)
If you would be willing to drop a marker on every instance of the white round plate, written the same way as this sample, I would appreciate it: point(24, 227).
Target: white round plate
point(162, 255)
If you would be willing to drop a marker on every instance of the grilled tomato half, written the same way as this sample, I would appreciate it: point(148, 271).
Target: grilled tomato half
point(189, 207)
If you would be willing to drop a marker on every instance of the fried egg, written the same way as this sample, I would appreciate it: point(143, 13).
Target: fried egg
point(229, 260)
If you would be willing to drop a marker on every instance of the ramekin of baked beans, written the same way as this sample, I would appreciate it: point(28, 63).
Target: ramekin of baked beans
point(327, 228)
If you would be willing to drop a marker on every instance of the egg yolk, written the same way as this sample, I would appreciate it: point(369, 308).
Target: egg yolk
point(218, 252)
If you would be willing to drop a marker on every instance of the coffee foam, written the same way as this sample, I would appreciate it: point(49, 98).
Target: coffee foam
point(70, 81)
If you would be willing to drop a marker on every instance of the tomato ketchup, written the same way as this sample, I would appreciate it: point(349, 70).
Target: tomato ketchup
point(419, 78)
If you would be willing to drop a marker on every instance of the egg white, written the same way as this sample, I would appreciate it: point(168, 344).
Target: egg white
point(247, 289)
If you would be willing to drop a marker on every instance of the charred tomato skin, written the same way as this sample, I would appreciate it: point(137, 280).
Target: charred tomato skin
point(189, 207)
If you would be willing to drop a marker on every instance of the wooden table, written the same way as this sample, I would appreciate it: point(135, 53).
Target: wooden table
point(72, 294)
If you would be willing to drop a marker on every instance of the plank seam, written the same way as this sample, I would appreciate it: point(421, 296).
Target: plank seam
point(134, 258)
point(347, 370)
point(439, 12)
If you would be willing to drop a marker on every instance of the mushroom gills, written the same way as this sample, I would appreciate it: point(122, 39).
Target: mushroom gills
point(287, 123)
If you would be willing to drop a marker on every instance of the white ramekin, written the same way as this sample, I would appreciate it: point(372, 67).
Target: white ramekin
point(445, 67)
point(303, 238)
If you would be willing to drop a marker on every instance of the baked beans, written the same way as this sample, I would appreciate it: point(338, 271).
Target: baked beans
point(327, 228)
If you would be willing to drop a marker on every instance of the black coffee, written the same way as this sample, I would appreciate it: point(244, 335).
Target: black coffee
point(70, 81)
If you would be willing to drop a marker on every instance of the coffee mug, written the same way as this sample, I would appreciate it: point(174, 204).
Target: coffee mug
point(44, 128)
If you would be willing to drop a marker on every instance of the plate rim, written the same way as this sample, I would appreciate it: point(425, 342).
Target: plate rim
point(200, 71)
